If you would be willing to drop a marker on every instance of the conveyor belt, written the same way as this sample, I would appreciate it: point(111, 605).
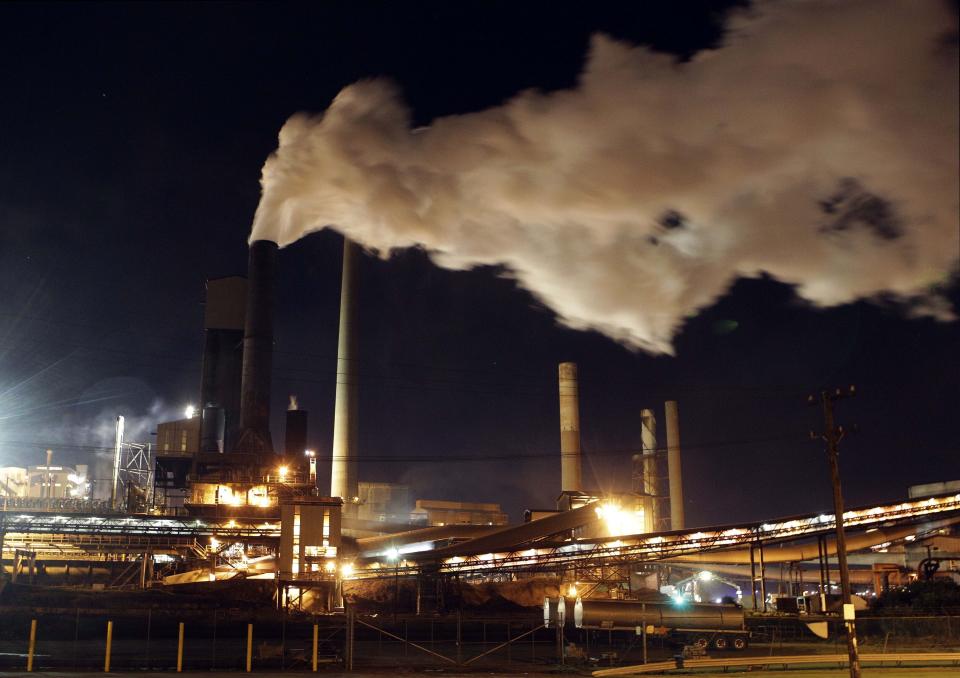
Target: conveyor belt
point(468, 557)
point(139, 530)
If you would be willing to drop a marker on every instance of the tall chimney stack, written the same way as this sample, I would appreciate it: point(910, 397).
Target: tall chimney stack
point(570, 480)
point(258, 352)
point(343, 473)
point(295, 434)
point(648, 438)
point(673, 465)
point(48, 486)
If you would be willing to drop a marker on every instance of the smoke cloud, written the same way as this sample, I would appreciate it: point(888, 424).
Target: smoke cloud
point(819, 146)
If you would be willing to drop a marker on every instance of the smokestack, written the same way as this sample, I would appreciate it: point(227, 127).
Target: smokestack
point(570, 480)
point(258, 351)
point(295, 434)
point(673, 465)
point(648, 437)
point(212, 430)
point(343, 473)
point(116, 500)
point(49, 483)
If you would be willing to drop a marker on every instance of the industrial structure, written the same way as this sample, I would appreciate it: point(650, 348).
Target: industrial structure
point(218, 498)
point(44, 481)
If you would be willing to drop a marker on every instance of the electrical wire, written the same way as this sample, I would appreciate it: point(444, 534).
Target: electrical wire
point(659, 452)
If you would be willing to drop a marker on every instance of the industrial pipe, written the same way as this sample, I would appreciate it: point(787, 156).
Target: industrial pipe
point(570, 473)
point(673, 465)
point(743, 570)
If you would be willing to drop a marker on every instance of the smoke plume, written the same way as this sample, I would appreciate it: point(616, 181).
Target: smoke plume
point(819, 146)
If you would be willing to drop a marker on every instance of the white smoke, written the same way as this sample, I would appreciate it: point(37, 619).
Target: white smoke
point(819, 146)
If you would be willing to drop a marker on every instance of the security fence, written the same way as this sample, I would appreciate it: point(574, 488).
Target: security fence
point(195, 640)
point(225, 639)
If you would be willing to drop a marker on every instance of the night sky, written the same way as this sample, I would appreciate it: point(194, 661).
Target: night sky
point(131, 143)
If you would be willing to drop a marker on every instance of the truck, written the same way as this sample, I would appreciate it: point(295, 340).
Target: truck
point(702, 625)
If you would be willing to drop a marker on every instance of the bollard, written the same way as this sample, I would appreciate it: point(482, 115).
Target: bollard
point(348, 654)
point(249, 647)
point(180, 649)
point(315, 637)
point(33, 644)
point(106, 658)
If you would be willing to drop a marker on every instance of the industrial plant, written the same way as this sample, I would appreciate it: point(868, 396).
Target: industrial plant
point(219, 501)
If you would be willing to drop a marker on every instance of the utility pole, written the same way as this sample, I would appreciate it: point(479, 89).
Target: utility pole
point(832, 435)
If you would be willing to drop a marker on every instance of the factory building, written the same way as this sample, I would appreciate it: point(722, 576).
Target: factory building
point(383, 502)
point(309, 537)
point(13, 481)
point(233, 502)
point(179, 437)
point(44, 482)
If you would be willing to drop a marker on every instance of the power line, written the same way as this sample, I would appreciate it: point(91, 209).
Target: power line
point(524, 376)
point(444, 458)
point(499, 386)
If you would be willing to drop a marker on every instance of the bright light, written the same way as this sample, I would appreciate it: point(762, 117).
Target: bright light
point(231, 523)
point(679, 600)
point(392, 553)
point(226, 495)
point(706, 575)
point(346, 570)
point(620, 521)
point(572, 590)
point(257, 496)
point(214, 542)
point(310, 453)
point(189, 411)
point(283, 471)
point(331, 566)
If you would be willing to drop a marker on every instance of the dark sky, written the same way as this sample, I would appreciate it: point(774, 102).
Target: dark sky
point(131, 141)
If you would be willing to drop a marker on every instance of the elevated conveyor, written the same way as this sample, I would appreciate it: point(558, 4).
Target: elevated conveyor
point(493, 553)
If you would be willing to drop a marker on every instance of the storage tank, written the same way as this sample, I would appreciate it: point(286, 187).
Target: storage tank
point(629, 614)
point(698, 623)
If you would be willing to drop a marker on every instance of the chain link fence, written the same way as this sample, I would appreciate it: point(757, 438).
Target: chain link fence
point(226, 640)
point(222, 640)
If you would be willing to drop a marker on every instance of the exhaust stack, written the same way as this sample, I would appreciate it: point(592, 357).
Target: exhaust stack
point(673, 465)
point(258, 352)
point(295, 434)
point(650, 489)
point(343, 472)
point(570, 477)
